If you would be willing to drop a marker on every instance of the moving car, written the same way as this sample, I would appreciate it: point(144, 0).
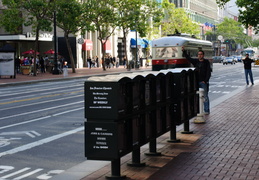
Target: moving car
point(239, 58)
point(218, 59)
point(235, 58)
point(229, 60)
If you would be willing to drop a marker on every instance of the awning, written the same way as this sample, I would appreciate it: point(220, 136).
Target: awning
point(88, 45)
point(141, 42)
point(148, 42)
point(30, 52)
point(108, 47)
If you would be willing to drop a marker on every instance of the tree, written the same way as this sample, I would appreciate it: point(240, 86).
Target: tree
point(136, 15)
point(104, 16)
point(231, 29)
point(177, 20)
point(34, 15)
point(248, 14)
point(71, 18)
point(11, 19)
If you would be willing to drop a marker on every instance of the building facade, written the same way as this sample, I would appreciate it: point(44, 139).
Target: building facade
point(204, 12)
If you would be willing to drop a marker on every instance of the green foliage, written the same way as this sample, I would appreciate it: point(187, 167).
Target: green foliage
point(249, 13)
point(34, 13)
point(176, 19)
point(231, 29)
point(249, 17)
point(255, 43)
point(222, 2)
point(103, 15)
point(137, 14)
point(71, 16)
point(11, 20)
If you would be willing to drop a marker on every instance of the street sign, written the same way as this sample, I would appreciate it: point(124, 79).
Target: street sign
point(81, 41)
point(220, 37)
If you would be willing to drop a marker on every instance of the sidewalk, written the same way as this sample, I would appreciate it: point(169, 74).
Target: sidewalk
point(225, 147)
point(80, 73)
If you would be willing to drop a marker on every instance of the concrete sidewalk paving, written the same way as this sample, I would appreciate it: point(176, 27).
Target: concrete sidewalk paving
point(80, 73)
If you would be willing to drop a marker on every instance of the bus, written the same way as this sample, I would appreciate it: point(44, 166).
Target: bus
point(252, 51)
point(167, 51)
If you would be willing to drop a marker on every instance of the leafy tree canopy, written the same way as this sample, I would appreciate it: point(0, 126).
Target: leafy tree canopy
point(248, 14)
point(176, 19)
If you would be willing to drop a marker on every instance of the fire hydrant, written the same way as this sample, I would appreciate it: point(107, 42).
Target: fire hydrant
point(200, 119)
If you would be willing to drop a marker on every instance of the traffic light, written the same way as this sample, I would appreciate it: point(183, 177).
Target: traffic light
point(227, 41)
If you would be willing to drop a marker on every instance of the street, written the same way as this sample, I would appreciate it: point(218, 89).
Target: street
point(41, 129)
point(41, 124)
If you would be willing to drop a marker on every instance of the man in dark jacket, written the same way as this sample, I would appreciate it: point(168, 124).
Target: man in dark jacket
point(204, 72)
point(248, 70)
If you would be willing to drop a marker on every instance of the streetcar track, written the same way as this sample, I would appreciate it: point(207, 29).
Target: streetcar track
point(39, 97)
point(41, 102)
point(40, 110)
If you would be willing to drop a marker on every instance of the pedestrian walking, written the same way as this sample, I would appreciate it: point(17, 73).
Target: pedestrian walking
point(117, 61)
point(89, 62)
point(42, 65)
point(125, 62)
point(248, 69)
point(204, 72)
point(97, 61)
point(65, 69)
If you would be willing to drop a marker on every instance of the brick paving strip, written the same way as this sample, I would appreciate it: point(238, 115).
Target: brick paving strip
point(225, 147)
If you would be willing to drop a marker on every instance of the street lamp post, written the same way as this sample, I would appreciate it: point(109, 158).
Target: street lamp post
point(136, 59)
point(56, 69)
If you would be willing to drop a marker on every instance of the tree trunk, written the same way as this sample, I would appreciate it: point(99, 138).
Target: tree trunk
point(70, 53)
point(125, 47)
point(103, 55)
point(36, 49)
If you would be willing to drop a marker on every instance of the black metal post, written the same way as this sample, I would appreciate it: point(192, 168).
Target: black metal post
point(173, 132)
point(115, 170)
point(136, 61)
point(55, 70)
point(136, 159)
point(186, 128)
point(152, 149)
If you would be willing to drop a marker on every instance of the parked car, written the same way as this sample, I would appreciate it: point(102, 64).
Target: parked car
point(229, 60)
point(239, 58)
point(235, 58)
point(218, 59)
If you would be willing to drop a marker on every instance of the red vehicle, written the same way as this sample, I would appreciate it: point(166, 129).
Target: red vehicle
point(167, 51)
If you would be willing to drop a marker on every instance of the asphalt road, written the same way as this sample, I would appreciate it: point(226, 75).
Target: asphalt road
point(41, 125)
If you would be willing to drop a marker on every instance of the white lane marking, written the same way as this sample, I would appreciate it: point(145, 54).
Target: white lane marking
point(37, 90)
point(25, 122)
point(41, 102)
point(28, 174)
point(31, 112)
point(47, 175)
point(4, 169)
point(32, 134)
point(34, 120)
point(40, 142)
point(15, 173)
point(68, 111)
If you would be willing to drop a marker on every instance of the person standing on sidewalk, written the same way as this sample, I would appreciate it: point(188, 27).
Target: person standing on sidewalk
point(248, 69)
point(204, 72)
